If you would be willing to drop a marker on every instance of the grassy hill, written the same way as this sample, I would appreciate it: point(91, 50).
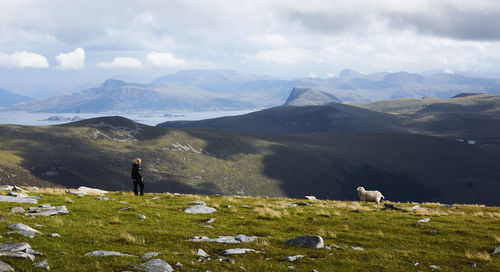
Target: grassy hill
point(454, 239)
point(99, 152)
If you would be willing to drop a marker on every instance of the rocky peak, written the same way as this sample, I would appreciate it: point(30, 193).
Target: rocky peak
point(309, 97)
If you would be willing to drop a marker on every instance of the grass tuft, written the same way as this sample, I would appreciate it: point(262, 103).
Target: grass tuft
point(478, 255)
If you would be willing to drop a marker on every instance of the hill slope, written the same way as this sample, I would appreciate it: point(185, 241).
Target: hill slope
point(8, 98)
point(99, 152)
point(309, 97)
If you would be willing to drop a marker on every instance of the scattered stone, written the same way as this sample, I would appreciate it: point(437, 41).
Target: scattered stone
point(425, 220)
point(302, 204)
point(224, 259)
point(17, 194)
point(310, 241)
point(125, 209)
point(227, 206)
point(156, 197)
point(50, 211)
point(291, 205)
point(141, 216)
point(54, 235)
point(30, 200)
point(17, 210)
point(91, 191)
point(434, 266)
point(103, 198)
point(23, 229)
point(472, 264)
point(311, 197)
point(150, 255)
point(291, 267)
point(358, 248)
point(391, 207)
point(34, 189)
point(198, 202)
point(199, 209)
point(434, 232)
point(210, 221)
point(178, 264)
point(43, 264)
point(123, 202)
point(329, 247)
point(5, 267)
point(314, 270)
point(291, 258)
point(18, 250)
point(240, 238)
point(202, 253)
point(157, 265)
point(447, 206)
point(6, 188)
point(496, 250)
point(236, 251)
point(44, 206)
point(104, 253)
point(18, 189)
point(246, 206)
point(416, 207)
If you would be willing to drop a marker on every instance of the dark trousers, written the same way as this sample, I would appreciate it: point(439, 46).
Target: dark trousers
point(141, 184)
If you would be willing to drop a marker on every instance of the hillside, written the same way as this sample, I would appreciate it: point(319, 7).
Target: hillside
point(8, 98)
point(98, 153)
point(309, 97)
point(355, 236)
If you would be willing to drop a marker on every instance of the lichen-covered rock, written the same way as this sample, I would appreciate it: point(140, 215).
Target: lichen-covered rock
point(5, 267)
point(235, 251)
point(199, 209)
point(43, 264)
point(105, 253)
point(310, 241)
point(156, 265)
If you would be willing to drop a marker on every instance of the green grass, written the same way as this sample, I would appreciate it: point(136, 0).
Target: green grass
point(392, 240)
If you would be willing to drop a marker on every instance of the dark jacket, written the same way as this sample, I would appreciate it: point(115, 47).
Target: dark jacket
point(136, 171)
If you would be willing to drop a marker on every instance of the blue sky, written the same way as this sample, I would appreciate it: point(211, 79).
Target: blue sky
point(54, 46)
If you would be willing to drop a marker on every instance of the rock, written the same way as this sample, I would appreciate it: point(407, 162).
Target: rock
point(104, 253)
point(17, 194)
point(240, 238)
point(244, 238)
point(310, 241)
point(21, 255)
point(198, 202)
point(6, 188)
point(358, 248)
point(5, 267)
point(425, 220)
point(391, 207)
point(291, 258)
point(157, 265)
point(447, 206)
point(227, 206)
point(50, 211)
point(18, 189)
point(156, 197)
point(199, 209)
point(54, 235)
point(311, 197)
point(23, 229)
point(291, 267)
point(416, 207)
point(18, 250)
point(329, 247)
point(31, 200)
point(178, 264)
point(17, 210)
point(34, 189)
point(150, 255)
point(496, 250)
point(472, 264)
point(434, 266)
point(44, 206)
point(302, 204)
point(91, 191)
point(202, 253)
point(235, 251)
point(246, 206)
point(123, 202)
point(210, 221)
point(224, 259)
point(141, 216)
point(291, 205)
point(103, 198)
point(125, 209)
point(43, 264)
point(73, 192)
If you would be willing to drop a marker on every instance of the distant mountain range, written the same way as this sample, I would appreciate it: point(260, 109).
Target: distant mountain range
point(309, 97)
point(225, 89)
point(8, 98)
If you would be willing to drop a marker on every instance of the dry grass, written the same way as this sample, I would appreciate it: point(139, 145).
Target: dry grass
point(478, 255)
point(426, 211)
point(53, 190)
point(68, 200)
point(329, 234)
point(497, 238)
point(114, 220)
point(267, 212)
point(129, 238)
point(57, 221)
point(261, 243)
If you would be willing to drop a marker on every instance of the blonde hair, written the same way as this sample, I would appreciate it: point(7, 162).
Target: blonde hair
point(138, 160)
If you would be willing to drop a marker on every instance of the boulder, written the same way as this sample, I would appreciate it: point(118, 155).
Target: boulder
point(240, 238)
point(5, 267)
point(202, 253)
point(18, 250)
point(31, 200)
point(17, 210)
point(18, 189)
point(105, 253)
point(291, 258)
point(310, 241)
point(17, 194)
point(21, 255)
point(311, 197)
point(23, 229)
point(156, 265)
point(425, 220)
point(236, 251)
point(199, 209)
point(91, 191)
point(50, 211)
point(496, 250)
point(43, 264)
point(150, 255)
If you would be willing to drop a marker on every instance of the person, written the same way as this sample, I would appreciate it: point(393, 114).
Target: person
point(137, 176)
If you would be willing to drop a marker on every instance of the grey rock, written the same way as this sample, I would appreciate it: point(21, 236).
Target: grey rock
point(23, 229)
point(425, 220)
point(5, 267)
point(228, 206)
point(15, 247)
point(199, 209)
point(291, 267)
point(141, 216)
point(43, 264)
point(198, 202)
point(291, 258)
point(291, 205)
point(311, 197)
point(329, 247)
point(102, 198)
point(202, 253)
point(54, 235)
point(44, 206)
point(157, 265)
point(434, 266)
point(391, 207)
point(76, 192)
point(125, 209)
point(236, 251)
point(302, 204)
point(416, 207)
point(246, 206)
point(105, 253)
point(244, 238)
point(22, 232)
point(6, 188)
point(150, 255)
point(19, 199)
point(224, 259)
point(156, 197)
point(448, 206)
point(178, 264)
point(496, 250)
point(51, 211)
point(17, 210)
point(18, 189)
point(17, 194)
point(310, 241)
point(21, 255)
point(123, 202)
point(91, 191)
point(472, 264)
point(358, 248)
point(240, 238)
point(210, 221)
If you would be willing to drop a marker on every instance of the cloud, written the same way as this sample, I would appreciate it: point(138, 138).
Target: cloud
point(282, 56)
point(23, 59)
point(121, 62)
point(165, 59)
point(72, 60)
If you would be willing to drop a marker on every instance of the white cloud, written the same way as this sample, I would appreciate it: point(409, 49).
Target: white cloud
point(282, 56)
point(121, 62)
point(23, 59)
point(71, 60)
point(165, 59)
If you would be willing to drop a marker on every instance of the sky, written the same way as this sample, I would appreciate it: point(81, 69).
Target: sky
point(49, 47)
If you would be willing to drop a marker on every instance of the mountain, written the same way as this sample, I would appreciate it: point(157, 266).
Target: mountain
point(8, 98)
point(309, 97)
point(99, 152)
point(115, 95)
